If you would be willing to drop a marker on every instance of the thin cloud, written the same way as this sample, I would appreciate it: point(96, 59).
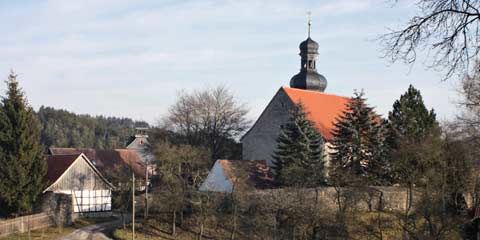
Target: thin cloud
point(122, 53)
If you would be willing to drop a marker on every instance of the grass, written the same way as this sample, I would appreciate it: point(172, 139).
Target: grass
point(161, 230)
point(56, 232)
point(360, 225)
point(41, 234)
point(159, 233)
point(83, 221)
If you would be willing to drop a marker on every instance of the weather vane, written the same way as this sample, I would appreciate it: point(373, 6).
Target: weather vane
point(309, 14)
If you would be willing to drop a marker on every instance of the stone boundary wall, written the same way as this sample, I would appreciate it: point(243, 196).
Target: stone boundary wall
point(360, 198)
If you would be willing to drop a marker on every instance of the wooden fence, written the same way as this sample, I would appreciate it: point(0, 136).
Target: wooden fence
point(25, 223)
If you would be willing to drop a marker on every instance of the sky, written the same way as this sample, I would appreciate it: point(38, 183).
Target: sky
point(131, 58)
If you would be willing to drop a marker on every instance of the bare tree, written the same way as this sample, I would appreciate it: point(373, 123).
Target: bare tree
point(182, 168)
point(211, 118)
point(470, 91)
point(448, 29)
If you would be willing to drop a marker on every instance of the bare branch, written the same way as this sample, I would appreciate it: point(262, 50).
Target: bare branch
point(449, 29)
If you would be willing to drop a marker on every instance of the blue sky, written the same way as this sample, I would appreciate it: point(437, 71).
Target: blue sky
point(131, 58)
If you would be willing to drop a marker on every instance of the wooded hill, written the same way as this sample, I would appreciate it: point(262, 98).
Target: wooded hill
point(61, 128)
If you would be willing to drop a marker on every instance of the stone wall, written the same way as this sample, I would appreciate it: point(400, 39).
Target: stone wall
point(363, 198)
point(260, 141)
point(59, 206)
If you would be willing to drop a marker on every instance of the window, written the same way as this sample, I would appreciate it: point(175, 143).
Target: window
point(92, 201)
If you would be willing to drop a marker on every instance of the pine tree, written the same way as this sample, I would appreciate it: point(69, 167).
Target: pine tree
point(410, 119)
point(410, 126)
point(358, 146)
point(22, 162)
point(299, 156)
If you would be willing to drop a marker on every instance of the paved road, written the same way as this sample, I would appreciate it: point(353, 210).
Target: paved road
point(92, 232)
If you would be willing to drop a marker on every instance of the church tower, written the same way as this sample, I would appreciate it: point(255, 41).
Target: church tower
point(308, 78)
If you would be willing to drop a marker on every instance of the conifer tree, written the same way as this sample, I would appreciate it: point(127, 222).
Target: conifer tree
point(22, 162)
point(299, 156)
point(358, 146)
point(410, 125)
point(410, 118)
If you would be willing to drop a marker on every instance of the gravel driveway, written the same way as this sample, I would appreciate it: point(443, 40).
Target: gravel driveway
point(93, 232)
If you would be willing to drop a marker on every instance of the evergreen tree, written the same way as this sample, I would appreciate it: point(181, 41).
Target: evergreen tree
point(61, 128)
point(22, 162)
point(410, 126)
point(358, 146)
point(299, 157)
point(410, 119)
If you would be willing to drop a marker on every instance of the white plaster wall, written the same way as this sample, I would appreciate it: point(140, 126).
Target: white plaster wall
point(216, 180)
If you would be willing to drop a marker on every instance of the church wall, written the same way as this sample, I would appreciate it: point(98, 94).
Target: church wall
point(260, 142)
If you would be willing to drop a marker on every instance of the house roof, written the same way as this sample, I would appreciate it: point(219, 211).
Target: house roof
point(108, 160)
point(258, 172)
point(323, 108)
point(58, 165)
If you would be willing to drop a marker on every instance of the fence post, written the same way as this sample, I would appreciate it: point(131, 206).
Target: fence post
point(22, 227)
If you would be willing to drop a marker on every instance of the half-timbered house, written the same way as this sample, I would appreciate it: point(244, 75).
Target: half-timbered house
point(76, 175)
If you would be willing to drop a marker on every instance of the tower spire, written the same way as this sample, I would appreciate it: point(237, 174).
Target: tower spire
point(309, 14)
point(308, 78)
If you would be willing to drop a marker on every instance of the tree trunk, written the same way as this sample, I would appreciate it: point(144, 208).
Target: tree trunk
point(234, 227)
point(174, 219)
point(409, 198)
point(181, 218)
point(201, 232)
point(123, 220)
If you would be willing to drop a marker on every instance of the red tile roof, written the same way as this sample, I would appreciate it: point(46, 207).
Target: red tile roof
point(108, 161)
point(57, 165)
point(323, 108)
point(259, 174)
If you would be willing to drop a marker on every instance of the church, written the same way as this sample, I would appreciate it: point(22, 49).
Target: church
point(308, 87)
point(259, 143)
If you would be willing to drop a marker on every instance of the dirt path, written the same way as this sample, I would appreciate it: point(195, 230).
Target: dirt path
point(92, 232)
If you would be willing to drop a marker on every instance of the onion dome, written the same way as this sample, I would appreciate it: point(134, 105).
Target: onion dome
point(308, 78)
point(309, 46)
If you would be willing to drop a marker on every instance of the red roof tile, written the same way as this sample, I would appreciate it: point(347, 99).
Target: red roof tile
point(258, 172)
point(323, 108)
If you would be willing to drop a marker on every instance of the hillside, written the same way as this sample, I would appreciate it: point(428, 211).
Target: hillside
point(61, 128)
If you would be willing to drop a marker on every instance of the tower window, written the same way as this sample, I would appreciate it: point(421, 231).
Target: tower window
point(310, 65)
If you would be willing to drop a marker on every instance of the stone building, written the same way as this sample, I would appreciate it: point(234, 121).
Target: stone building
point(139, 143)
point(308, 87)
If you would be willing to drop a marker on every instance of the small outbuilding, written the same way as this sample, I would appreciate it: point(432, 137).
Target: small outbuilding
point(76, 176)
point(226, 173)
